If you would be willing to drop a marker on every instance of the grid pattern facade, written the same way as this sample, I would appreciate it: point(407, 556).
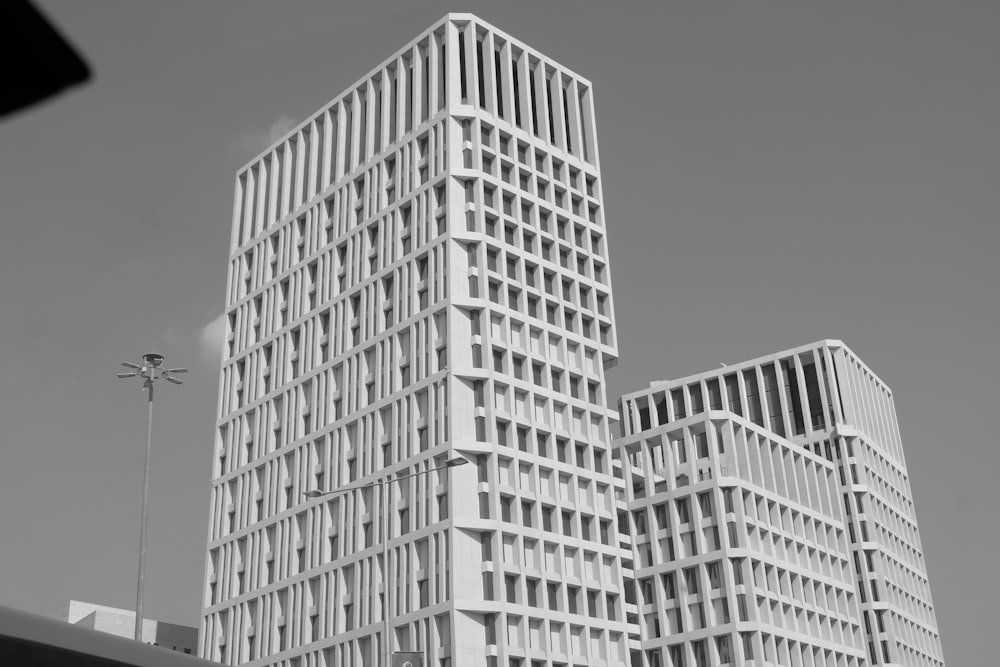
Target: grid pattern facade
point(741, 549)
point(817, 403)
point(420, 270)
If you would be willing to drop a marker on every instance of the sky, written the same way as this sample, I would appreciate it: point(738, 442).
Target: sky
point(774, 173)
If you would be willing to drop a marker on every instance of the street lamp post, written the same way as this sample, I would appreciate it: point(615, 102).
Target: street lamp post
point(383, 484)
point(151, 371)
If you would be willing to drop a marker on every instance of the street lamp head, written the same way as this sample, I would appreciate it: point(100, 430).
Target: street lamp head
point(456, 461)
point(153, 359)
point(313, 494)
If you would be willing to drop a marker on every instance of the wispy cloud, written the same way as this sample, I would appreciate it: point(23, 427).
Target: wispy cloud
point(258, 141)
point(175, 337)
point(211, 338)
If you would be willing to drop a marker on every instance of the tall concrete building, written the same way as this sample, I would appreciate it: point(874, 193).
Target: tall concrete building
point(772, 517)
point(420, 270)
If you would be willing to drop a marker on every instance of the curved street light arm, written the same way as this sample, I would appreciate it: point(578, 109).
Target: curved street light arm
point(452, 463)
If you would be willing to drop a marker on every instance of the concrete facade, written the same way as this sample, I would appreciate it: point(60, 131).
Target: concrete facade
point(791, 473)
point(121, 623)
point(420, 270)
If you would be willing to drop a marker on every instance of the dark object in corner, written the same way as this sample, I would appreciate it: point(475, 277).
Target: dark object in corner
point(38, 62)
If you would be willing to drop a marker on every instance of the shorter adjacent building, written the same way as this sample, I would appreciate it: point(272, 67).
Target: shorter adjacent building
point(121, 623)
point(771, 518)
point(741, 550)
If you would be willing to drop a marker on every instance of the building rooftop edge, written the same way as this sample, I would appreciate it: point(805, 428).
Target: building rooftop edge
point(451, 16)
point(725, 414)
point(824, 342)
point(76, 610)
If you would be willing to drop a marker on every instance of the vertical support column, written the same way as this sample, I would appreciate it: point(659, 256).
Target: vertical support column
point(385, 110)
point(573, 118)
point(417, 86)
point(371, 106)
point(453, 88)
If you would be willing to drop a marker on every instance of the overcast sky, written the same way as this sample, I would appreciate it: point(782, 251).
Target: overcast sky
point(773, 174)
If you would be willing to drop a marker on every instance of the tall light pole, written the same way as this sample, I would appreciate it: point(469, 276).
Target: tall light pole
point(383, 485)
point(151, 371)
